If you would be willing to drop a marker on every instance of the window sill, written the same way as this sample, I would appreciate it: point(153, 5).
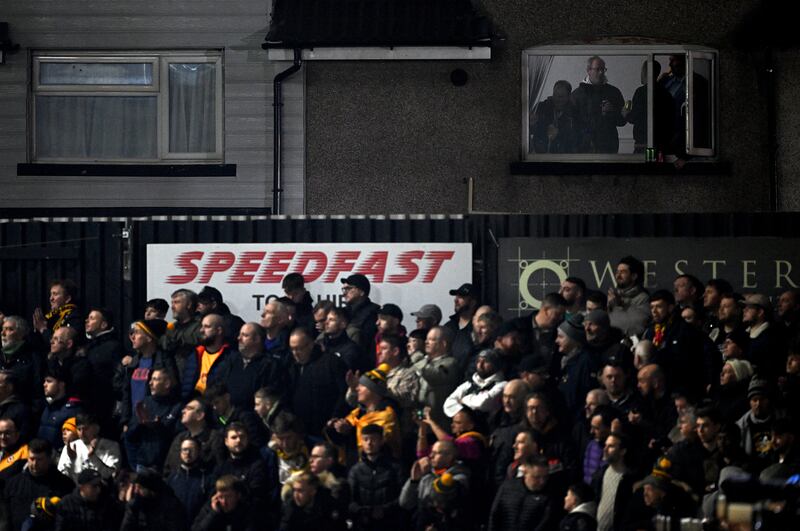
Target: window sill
point(127, 170)
point(619, 168)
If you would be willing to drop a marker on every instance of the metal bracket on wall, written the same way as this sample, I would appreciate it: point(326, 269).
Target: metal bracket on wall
point(127, 254)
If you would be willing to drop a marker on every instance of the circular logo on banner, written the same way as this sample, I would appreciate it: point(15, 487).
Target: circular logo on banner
point(528, 269)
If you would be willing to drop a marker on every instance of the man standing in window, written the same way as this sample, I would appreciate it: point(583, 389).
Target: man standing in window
point(599, 110)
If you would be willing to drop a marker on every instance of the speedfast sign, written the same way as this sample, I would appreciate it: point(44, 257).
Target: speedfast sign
point(249, 275)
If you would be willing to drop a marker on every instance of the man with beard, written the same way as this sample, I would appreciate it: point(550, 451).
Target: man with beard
point(628, 303)
point(614, 379)
point(363, 312)
point(482, 393)
point(204, 368)
point(789, 311)
point(209, 301)
point(712, 296)
point(539, 330)
point(244, 462)
point(602, 341)
point(465, 303)
point(729, 318)
point(613, 483)
point(77, 369)
point(183, 334)
point(657, 414)
point(573, 289)
point(20, 357)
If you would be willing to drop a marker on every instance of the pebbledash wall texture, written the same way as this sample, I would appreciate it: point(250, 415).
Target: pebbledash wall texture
point(399, 137)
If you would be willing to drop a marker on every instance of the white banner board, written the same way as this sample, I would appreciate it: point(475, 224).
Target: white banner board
point(248, 275)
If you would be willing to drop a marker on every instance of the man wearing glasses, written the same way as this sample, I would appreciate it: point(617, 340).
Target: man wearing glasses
point(599, 109)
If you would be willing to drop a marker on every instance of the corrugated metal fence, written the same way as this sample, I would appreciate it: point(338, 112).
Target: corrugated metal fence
point(107, 256)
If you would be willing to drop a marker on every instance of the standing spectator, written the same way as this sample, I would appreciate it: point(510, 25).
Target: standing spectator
point(578, 367)
point(539, 330)
point(150, 433)
point(600, 429)
point(756, 424)
point(183, 334)
point(336, 341)
point(196, 421)
point(465, 302)
point(229, 508)
point(250, 369)
point(59, 407)
point(657, 414)
point(581, 509)
point(428, 316)
point(317, 382)
point(13, 450)
point(688, 291)
point(190, 481)
point(294, 287)
point(209, 301)
point(63, 352)
point(11, 406)
point(504, 426)
point(133, 375)
point(88, 507)
point(90, 451)
point(767, 347)
point(613, 484)
point(244, 462)
point(481, 393)
point(389, 323)
point(628, 303)
point(289, 446)
point(151, 506)
point(63, 310)
point(438, 371)
point(614, 380)
point(275, 320)
point(788, 311)
point(573, 289)
point(524, 503)
point(321, 310)
point(204, 366)
point(375, 483)
point(156, 309)
point(310, 507)
point(22, 358)
point(417, 492)
point(363, 312)
point(598, 106)
point(225, 413)
point(39, 479)
point(104, 353)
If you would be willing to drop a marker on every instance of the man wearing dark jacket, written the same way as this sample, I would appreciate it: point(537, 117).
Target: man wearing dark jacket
point(40, 478)
point(317, 382)
point(20, 357)
point(363, 312)
point(375, 483)
point(196, 421)
point(539, 330)
point(63, 347)
point(522, 503)
point(505, 426)
point(151, 506)
point(251, 369)
point(293, 286)
point(310, 507)
point(88, 507)
point(190, 482)
point(229, 508)
point(244, 462)
point(104, 352)
point(183, 334)
point(336, 341)
point(598, 107)
point(59, 407)
point(11, 407)
point(465, 303)
point(613, 484)
point(277, 324)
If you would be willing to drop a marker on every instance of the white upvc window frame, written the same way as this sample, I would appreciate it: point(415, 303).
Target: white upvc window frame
point(648, 50)
point(160, 61)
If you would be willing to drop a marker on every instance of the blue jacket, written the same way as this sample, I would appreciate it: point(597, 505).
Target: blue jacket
point(191, 371)
point(192, 487)
point(53, 418)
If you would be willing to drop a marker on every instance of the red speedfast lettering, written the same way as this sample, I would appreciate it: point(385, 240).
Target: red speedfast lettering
point(261, 267)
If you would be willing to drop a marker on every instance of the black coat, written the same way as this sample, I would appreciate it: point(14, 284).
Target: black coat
point(76, 514)
point(21, 490)
point(162, 512)
point(515, 507)
point(244, 380)
point(323, 514)
point(374, 484)
point(682, 356)
point(153, 438)
point(363, 327)
point(104, 354)
point(244, 518)
point(318, 390)
point(577, 521)
point(623, 494)
point(28, 365)
point(262, 483)
point(13, 408)
point(192, 487)
point(346, 350)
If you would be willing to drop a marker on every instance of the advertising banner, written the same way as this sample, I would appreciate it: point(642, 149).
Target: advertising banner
point(248, 275)
point(529, 268)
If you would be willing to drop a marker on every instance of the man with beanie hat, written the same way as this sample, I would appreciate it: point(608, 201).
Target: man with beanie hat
point(375, 483)
point(482, 393)
point(133, 375)
point(628, 302)
point(449, 507)
point(602, 340)
point(364, 313)
point(373, 409)
point(578, 367)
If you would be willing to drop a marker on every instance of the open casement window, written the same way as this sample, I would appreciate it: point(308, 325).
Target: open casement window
point(594, 103)
point(149, 107)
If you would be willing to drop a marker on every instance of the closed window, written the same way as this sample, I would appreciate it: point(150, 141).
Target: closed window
point(163, 107)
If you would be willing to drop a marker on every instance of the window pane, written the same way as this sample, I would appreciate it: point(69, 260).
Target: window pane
point(192, 108)
point(96, 127)
point(582, 106)
point(702, 106)
point(96, 74)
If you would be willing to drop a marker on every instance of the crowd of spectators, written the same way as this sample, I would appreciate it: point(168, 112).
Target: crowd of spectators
point(596, 411)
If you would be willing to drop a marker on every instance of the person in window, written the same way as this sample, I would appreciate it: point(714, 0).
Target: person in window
point(554, 125)
point(674, 80)
point(663, 122)
point(599, 110)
